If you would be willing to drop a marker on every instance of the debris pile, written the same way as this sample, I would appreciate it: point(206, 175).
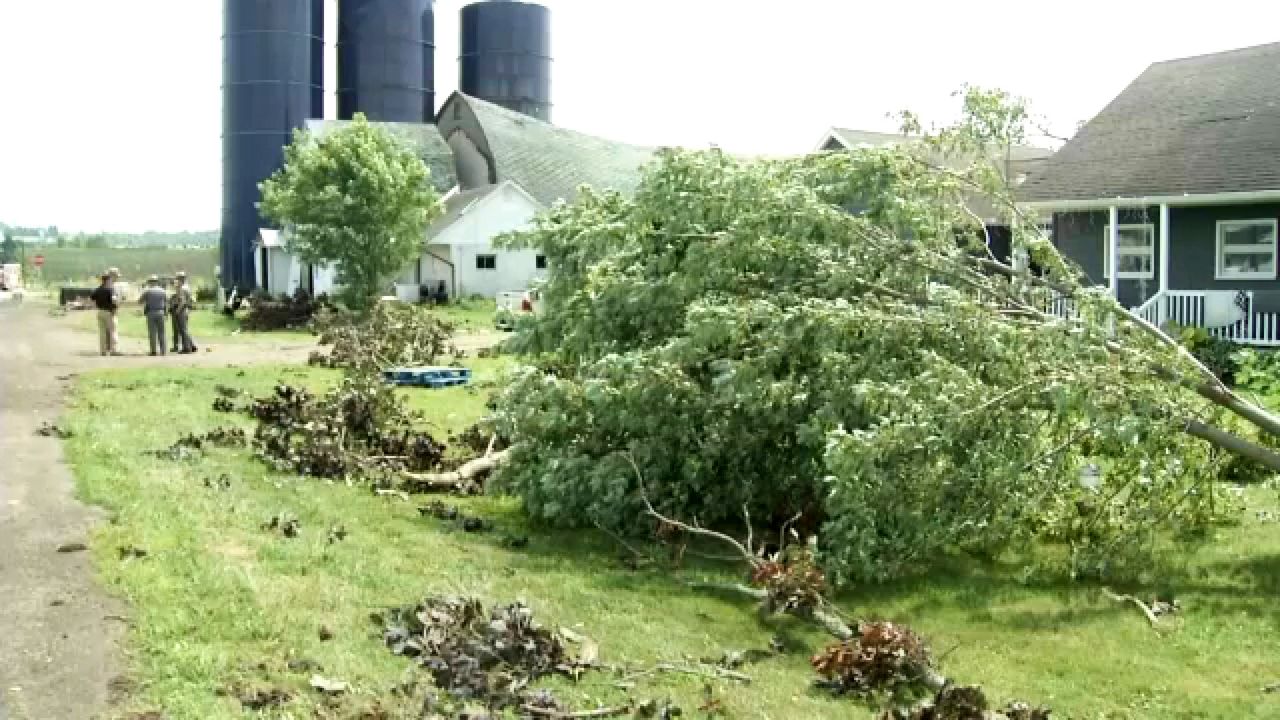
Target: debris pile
point(394, 335)
point(359, 429)
point(449, 513)
point(283, 313)
point(478, 658)
point(966, 702)
point(881, 657)
point(794, 583)
point(48, 429)
point(284, 524)
point(192, 445)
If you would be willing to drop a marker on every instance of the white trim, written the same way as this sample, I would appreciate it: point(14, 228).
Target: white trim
point(1121, 251)
point(1224, 198)
point(1164, 263)
point(1219, 272)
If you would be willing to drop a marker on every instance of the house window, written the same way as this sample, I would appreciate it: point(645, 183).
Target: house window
point(486, 262)
point(1137, 251)
point(1246, 250)
point(540, 262)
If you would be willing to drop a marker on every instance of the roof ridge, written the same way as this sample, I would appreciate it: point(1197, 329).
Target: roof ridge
point(1220, 53)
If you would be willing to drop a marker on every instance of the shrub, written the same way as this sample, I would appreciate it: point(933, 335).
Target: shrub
point(1217, 354)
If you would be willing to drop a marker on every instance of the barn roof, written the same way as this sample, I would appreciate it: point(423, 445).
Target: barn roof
point(547, 161)
point(424, 139)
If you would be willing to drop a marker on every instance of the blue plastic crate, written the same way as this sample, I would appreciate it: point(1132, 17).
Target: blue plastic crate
point(430, 377)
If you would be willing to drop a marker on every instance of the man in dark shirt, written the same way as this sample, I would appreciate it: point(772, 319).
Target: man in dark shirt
point(104, 297)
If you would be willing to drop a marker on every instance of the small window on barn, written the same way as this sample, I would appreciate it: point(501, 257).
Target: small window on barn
point(486, 262)
point(1137, 251)
point(1246, 250)
point(540, 262)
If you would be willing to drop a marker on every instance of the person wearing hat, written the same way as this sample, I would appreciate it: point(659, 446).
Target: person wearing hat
point(180, 304)
point(153, 302)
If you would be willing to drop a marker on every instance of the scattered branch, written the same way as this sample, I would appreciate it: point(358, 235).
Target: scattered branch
point(1151, 616)
point(462, 478)
point(562, 715)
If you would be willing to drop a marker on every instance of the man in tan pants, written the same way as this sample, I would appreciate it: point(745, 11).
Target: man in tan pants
point(104, 298)
point(118, 294)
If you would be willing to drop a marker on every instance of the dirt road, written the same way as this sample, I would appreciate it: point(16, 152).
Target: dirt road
point(59, 632)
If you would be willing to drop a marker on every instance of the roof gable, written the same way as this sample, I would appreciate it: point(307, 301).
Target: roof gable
point(464, 203)
point(1194, 126)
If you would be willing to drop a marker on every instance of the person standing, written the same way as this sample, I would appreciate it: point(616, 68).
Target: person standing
point(104, 298)
point(180, 305)
point(117, 296)
point(153, 302)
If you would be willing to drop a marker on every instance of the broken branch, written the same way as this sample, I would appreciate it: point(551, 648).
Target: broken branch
point(1151, 616)
point(463, 476)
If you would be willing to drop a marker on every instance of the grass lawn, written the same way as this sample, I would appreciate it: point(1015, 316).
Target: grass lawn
point(470, 314)
point(206, 326)
point(218, 601)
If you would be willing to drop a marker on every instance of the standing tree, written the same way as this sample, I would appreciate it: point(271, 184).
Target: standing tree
point(357, 198)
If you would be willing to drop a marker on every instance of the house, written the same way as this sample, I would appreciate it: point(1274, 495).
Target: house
point(1176, 185)
point(1020, 163)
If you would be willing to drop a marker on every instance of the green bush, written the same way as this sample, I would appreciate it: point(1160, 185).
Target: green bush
point(1217, 354)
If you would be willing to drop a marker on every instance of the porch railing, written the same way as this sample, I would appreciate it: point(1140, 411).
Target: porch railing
point(1222, 313)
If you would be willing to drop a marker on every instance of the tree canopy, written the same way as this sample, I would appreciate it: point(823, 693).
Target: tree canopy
point(877, 376)
point(358, 198)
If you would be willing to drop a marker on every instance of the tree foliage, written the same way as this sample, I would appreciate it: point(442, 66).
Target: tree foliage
point(753, 344)
point(357, 197)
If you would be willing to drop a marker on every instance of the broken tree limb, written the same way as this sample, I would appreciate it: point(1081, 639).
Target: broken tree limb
point(463, 476)
point(562, 715)
point(1146, 610)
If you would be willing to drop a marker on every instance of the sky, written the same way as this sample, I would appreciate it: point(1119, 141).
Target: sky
point(110, 112)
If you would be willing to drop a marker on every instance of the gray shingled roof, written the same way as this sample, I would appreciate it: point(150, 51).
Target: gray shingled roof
point(1199, 125)
point(1023, 161)
point(550, 162)
point(423, 138)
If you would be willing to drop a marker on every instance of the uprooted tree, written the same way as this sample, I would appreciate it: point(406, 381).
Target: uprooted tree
point(831, 337)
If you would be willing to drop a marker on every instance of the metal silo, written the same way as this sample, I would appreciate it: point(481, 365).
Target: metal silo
point(386, 60)
point(506, 55)
point(273, 81)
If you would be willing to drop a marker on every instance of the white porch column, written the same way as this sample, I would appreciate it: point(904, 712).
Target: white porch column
point(1161, 313)
point(1115, 251)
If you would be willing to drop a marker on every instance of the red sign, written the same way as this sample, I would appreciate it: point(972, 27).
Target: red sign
point(38, 261)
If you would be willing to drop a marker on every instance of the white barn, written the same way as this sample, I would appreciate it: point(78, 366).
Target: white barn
point(496, 169)
point(460, 252)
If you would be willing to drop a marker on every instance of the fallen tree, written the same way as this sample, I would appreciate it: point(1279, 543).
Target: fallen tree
point(881, 373)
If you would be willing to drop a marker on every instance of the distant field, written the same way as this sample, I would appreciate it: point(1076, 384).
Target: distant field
point(74, 265)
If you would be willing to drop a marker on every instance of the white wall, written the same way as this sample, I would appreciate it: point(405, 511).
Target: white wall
point(504, 210)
